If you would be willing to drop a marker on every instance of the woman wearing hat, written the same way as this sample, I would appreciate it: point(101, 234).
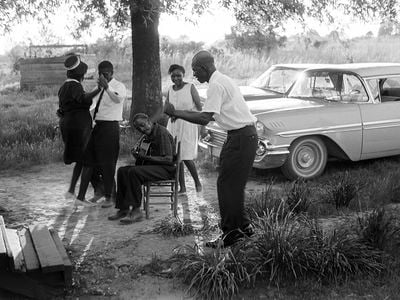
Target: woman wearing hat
point(75, 118)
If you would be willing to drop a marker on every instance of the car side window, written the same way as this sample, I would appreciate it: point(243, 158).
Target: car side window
point(390, 89)
point(353, 90)
point(374, 88)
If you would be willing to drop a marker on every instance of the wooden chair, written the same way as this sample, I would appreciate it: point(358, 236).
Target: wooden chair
point(164, 188)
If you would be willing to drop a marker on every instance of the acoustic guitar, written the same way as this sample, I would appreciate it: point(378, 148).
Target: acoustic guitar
point(141, 148)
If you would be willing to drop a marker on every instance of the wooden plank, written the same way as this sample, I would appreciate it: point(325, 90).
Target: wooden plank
point(65, 258)
point(4, 261)
point(49, 257)
point(16, 250)
point(4, 234)
point(28, 250)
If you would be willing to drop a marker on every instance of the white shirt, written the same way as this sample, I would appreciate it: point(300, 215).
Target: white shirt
point(227, 103)
point(112, 102)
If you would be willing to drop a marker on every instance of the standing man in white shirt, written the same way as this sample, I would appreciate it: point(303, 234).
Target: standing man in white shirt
point(226, 105)
point(103, 147)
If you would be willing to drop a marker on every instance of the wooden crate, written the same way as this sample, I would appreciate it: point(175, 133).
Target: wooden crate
point(33, 262)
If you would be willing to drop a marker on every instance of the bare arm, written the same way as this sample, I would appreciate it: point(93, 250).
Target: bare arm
point(202, 118)
point(90, 95)
point(195, 97)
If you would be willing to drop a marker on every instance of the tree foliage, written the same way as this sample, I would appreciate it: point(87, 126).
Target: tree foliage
point(142, 17)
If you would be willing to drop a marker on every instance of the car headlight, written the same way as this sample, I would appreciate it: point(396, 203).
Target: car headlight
point(261, 129)
point(261, 149)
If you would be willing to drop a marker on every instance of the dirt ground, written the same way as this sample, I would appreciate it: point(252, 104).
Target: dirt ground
point(111, 261)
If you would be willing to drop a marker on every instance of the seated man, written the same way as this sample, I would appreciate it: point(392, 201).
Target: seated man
point(155, 164)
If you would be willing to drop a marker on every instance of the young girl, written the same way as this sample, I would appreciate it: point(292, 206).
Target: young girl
point(184, 96)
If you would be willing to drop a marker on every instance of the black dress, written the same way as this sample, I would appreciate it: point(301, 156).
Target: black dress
point(75, 120)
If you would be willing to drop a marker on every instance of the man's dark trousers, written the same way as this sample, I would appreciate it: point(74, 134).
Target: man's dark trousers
point(236, 160)
point(131, 178)
point(102, 152)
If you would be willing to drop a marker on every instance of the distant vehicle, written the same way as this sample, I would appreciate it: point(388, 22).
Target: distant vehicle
point(348, 111)
point(273, 83)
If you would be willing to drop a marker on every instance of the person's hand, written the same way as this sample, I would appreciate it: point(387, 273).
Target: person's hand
point(102, 82)
point(169, 109)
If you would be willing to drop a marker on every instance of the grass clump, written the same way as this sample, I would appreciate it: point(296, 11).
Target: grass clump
point(298, 197)
point(210, 275)
point(258, 204)
point(343, 256)
point(342, 190)
point(378, 229)
point(172, 226)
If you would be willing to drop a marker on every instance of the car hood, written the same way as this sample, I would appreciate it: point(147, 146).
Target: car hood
point(249, 93)
point(281, 104)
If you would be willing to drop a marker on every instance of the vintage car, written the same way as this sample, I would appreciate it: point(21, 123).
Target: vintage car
point(273, 83)
point(347, 111)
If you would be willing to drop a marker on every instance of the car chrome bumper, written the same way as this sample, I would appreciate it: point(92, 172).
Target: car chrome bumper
point(270, 159)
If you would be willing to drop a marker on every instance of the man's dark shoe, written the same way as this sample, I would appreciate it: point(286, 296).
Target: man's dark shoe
point(119, 215)
point(224, 240)
point(248, 230)
point(107, 203)
point(132, 217)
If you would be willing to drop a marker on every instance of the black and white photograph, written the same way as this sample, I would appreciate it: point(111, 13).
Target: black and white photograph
point(203, 149)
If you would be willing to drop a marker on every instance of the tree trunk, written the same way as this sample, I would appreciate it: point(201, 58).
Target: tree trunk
point(146, 75)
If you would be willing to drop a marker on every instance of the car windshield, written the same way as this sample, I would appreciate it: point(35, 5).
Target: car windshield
point(276, 79)
point(330, 86)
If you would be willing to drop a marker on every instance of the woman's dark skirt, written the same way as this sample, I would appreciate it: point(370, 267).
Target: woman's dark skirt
point(75, 128)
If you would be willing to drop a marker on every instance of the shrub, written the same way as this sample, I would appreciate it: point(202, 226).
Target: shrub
point(210, 275)
point(258, 204)
point(388, 190)
point(297, 197)
point(342, 191)
point(343, 256)
point(378, 229)
point(282, 250)
point(173, 227)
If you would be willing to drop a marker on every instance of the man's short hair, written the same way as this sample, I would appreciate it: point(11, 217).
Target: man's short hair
point(203, 58)
point(139, 116)
point(105, 64)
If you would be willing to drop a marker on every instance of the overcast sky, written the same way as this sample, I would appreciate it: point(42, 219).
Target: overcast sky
point(210, 27)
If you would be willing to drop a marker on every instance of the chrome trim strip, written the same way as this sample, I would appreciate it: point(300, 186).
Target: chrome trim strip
point(381, 124)
point(328, 129)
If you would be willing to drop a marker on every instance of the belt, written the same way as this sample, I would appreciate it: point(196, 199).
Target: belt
point(104, 121)
point(236, 131)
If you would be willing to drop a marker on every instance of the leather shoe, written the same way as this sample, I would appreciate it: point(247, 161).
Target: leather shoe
point(224, 240)
point(118, 215)
point(248, 230)
point(132, 217)
point(107, 203)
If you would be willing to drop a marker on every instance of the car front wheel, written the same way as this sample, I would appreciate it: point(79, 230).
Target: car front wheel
point(307, 158)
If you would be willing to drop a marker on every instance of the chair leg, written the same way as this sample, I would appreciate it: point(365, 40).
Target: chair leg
point(147, 200)
point(175, 200)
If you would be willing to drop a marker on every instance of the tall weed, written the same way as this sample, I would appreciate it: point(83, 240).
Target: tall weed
point(210, 275)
